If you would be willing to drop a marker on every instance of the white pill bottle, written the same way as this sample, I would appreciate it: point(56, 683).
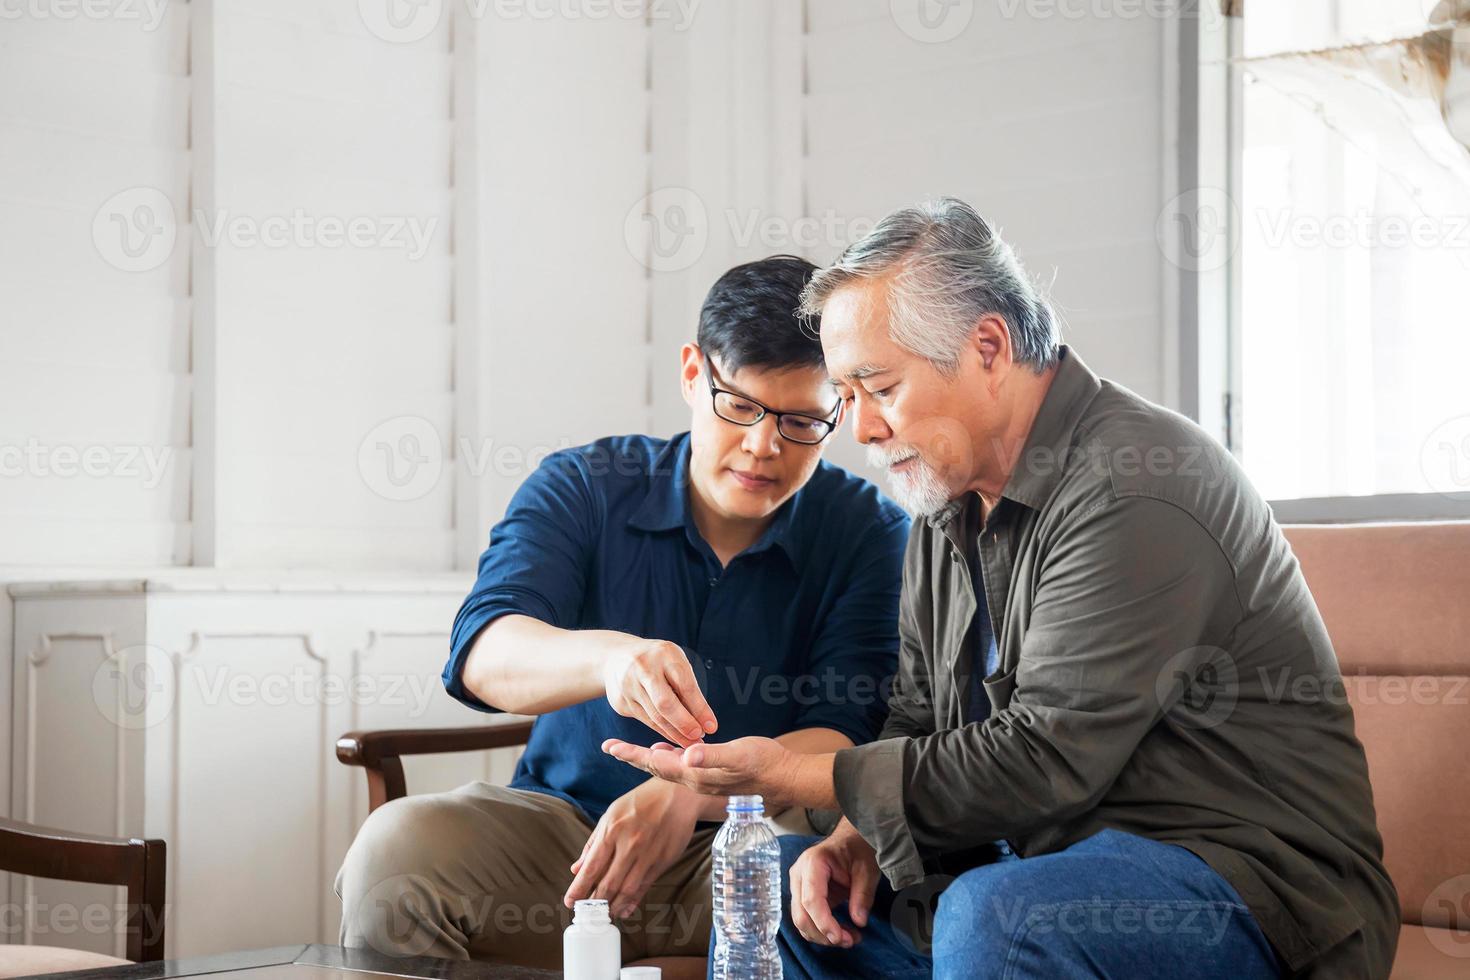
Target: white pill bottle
point(591, 948)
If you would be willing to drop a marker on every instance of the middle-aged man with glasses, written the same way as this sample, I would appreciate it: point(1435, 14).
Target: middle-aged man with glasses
point(727, 582)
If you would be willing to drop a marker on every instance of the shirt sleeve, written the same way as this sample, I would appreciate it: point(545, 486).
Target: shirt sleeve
point(535, 565)
point(1131, 596)
point(853, 657)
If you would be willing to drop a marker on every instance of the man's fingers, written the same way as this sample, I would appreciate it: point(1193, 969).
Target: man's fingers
point(681, 678)
point(667, 716)
point(593, 865)
point(577, 864)
point(860, 893)
point(633, 755)
point(664, 763)
point(799, 918)
point(650, 717)
point(824, 928)
point(725, 755)
point(625, 902)
point(611, 885)
point(672, 710)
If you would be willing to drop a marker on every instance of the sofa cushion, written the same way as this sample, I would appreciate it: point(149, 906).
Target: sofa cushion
point(1392, 595)
point(1415, 731)
point(1431, 954)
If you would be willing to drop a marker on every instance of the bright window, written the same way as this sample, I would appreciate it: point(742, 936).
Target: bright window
point(1353, 321)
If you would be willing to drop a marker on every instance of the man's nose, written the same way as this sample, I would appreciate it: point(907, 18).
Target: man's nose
point(867, 425)
point(762, 440)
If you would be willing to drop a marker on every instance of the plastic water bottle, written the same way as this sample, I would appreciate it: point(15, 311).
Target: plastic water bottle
point(747, 900)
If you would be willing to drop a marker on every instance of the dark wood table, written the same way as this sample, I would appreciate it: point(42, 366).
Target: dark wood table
point(310, 962)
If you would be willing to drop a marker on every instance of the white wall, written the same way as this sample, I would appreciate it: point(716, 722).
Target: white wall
point(1049, 125)
point(583, 179)
point(317, 402)
point(580, 182)
point(555, 347)
point(96, 367)
point(799, 128)
point(309, 341)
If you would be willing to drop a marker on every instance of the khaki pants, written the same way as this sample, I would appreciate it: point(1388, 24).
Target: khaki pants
point(479, 873)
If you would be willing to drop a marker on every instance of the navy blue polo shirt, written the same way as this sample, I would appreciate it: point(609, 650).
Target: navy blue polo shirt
point(799, 631)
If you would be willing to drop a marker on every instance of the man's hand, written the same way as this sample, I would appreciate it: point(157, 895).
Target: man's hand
point(639, 837)
point(651, 680)
point(750, 765)
point(842, 868)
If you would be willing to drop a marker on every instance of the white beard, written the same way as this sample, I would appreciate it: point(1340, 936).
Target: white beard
point(918, 489)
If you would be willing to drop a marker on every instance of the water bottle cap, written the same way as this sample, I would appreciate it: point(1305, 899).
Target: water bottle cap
point(745, 804)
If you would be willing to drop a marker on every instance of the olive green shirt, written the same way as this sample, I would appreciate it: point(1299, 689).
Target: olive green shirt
point(1163, 671)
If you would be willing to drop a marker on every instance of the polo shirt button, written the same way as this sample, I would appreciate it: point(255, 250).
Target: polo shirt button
point(713, 582)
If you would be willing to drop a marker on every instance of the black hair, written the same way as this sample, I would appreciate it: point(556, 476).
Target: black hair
point(749, 317)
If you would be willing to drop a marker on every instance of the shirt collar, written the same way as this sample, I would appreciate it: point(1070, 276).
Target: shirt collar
point(1043, 459)
point(666, 506)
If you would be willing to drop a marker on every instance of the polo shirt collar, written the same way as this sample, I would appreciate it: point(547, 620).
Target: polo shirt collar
point(666, 506)
point(1043, 460)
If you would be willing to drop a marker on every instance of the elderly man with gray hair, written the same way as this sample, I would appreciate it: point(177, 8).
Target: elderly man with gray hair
point(1113, 747)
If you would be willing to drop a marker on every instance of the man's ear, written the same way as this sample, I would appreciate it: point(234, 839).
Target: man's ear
point(691, 362)
point(992, 341)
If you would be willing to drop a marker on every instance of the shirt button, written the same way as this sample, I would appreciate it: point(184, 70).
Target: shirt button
point(713, 582)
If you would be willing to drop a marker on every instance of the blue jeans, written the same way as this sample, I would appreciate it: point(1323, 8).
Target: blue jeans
point(1114, 905)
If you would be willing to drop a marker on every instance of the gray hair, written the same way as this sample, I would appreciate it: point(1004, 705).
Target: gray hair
point(947, 269)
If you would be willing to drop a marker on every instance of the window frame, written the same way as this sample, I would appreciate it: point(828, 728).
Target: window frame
point(1206, 129)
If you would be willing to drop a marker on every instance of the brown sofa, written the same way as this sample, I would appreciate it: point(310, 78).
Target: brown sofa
point(1396, 600)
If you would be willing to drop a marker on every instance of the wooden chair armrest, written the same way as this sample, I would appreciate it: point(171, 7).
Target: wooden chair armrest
point(369, 748)
point(379, 753)
point(138, 864)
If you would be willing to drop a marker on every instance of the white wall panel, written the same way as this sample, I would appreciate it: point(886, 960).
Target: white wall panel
point(560, 149)
point(96, 356)
point(316, 340)
point(1046, 117)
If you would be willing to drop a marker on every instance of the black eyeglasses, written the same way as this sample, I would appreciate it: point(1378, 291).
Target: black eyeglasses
point(741, 410)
